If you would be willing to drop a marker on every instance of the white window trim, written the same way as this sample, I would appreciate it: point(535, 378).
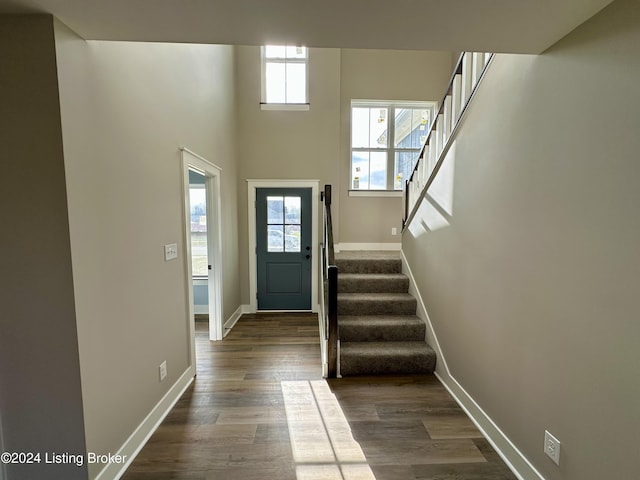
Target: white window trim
point(264, 105)
point(389, 192)
point(293, 107)
point(375, 193)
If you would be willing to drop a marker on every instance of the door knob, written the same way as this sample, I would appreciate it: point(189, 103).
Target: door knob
point(307, 256)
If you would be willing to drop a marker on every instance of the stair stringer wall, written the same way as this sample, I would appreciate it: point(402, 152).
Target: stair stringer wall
point(511, 455)
point(530, 280)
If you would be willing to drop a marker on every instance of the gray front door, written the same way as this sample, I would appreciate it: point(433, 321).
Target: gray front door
point(283, 241)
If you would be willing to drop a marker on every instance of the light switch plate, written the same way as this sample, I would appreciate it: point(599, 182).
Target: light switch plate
point(170, 251)
point(163, 370)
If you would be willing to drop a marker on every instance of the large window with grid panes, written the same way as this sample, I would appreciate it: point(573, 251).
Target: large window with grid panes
point(386, 138)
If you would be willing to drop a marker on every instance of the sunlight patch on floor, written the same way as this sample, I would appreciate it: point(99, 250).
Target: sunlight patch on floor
point(322, 444)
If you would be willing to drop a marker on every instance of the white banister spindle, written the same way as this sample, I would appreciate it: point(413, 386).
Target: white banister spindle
point(467, 78)
point(432, 154)
point(412, 194)
point(440, 134)
point(478, 65)
point(427, 161)
point(446, 130)
point(435, 143)
point(456, 93)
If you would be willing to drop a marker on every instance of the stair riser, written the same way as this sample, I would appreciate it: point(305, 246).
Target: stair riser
point(382, 365)
point(373, 307)
point(373, 286)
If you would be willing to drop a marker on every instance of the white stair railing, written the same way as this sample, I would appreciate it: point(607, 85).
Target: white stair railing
point(467, 74)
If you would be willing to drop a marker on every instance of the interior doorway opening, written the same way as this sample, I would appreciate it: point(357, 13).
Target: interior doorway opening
point(198, 239)
point(203, 243)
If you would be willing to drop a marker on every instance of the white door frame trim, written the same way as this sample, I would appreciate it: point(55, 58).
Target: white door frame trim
point(212, 175)
point(252, 185)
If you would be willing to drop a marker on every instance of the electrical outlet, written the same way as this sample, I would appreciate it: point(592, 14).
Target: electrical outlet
point(394, 231)
point(552, 447)
point(163, 370)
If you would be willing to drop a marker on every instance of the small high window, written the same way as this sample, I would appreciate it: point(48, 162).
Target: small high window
point(285, 77)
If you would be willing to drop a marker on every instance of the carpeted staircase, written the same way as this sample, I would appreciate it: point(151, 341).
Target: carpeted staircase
point(379, 330)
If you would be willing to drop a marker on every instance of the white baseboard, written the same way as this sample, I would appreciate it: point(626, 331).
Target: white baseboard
point(512, 456)
point(235, 316)
point(368, 246)
point(3, 473)
point(431, 337)
point(248, 309)
point(323, 346)
point(141, 435)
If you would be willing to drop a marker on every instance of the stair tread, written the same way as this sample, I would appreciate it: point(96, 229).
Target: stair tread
point(378, 319)
point(369, 262)
point(368, 255)
point(371, 276)
point(381, 328)
point(372, 283)
point(376, 304)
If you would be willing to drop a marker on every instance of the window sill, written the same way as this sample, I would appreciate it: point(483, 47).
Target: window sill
point(299, 107)
point(375, 193)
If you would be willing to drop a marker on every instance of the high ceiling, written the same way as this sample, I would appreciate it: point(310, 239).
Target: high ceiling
point(517, 26)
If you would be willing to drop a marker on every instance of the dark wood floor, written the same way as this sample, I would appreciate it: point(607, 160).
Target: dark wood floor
point(260, 410)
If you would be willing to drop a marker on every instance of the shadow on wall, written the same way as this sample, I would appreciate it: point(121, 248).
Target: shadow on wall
point(436, 208)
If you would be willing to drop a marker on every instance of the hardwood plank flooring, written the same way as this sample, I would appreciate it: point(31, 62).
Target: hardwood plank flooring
point(259, 409)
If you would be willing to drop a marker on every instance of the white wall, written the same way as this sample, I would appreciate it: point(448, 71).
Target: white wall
point(532, 287)
point(126, 109)
point(40, 395)
point(381, 75)
point(286, 144)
